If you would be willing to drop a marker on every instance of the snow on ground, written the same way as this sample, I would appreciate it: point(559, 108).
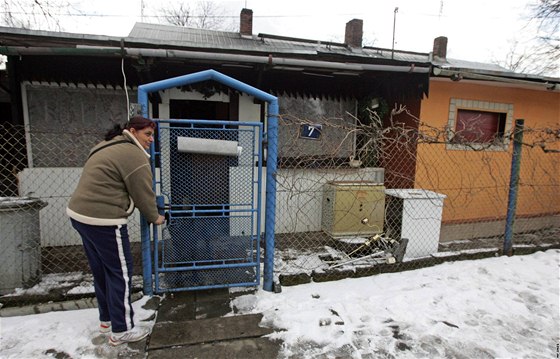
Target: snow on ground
point(504, 307)
point(61, 334)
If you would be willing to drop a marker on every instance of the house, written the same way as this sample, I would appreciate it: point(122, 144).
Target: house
point(68, 88)
point(475, 106)
point(375, 111)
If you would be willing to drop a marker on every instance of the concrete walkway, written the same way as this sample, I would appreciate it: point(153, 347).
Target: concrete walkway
point(202, 324)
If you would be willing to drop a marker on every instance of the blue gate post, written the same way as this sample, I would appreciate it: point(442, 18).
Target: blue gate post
point(513, 185)
point(270, 211)
point(144, 226)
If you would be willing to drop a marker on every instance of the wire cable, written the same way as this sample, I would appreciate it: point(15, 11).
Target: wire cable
point(125, 91)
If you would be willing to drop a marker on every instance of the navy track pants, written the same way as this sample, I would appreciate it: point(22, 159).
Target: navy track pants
point(108, 251)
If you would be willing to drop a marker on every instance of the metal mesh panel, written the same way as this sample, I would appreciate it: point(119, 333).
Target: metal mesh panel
point(43, 258)
point(187, 240)
point(216, 277)
point(212, 205)
point(186, 176)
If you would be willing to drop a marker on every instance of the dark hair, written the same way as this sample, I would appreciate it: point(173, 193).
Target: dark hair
point(136, 122)
point(139, 123)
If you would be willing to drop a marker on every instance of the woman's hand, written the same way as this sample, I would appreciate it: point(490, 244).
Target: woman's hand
point(160, 220)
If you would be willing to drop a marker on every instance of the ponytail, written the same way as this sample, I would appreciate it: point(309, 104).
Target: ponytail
point(112, 133)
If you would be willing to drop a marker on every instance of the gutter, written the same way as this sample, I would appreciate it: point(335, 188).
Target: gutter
point(457, 75)
point(184, 54)
point(58, 51)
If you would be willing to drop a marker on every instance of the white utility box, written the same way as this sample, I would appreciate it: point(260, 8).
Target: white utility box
point(415, 214)
point(353, 208)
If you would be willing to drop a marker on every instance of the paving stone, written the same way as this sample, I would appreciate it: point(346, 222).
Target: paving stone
point(169, 334)
point(257, 348)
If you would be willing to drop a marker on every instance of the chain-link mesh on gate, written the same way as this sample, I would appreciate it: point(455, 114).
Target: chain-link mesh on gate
point(42, 256)
point(210, 180)
point(370, 196)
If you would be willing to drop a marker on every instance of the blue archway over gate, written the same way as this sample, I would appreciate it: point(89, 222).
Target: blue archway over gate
point(271, 160)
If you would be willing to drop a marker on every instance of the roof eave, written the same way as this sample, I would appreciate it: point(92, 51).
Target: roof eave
point(457, 74)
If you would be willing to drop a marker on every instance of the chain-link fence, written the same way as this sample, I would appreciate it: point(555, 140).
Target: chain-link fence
point(42, 254)
point(380, 196)
point(354, 197)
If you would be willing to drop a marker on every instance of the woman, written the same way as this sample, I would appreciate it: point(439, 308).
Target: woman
point(116, 178)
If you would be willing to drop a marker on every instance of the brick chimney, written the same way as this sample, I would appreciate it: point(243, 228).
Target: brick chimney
point(440, 47)
point(246, 22)
point(354, 33)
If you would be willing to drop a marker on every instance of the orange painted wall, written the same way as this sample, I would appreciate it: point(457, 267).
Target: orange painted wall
point(476, 182)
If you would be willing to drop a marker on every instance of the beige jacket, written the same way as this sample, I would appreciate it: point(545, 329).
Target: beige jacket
point(114, 180)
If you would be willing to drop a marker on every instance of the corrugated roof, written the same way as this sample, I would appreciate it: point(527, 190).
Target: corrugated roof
point(471, 65)
point(166, 35)
point(177, 36)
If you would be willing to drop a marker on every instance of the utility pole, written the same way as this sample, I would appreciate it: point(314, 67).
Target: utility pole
point(394, 24)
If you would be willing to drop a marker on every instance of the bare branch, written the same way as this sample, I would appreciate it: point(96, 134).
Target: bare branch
point(204, 15)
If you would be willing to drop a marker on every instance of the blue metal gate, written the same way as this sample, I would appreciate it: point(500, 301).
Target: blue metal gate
point(210, 181)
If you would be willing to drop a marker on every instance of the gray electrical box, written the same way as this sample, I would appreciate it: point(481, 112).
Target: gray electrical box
point(353, 208)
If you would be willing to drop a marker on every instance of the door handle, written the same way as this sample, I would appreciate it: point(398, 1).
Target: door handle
point(160, 202)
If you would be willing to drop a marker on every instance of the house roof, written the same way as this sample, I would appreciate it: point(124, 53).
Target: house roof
point(165, 35)
point(276, 64)
point(234, 49)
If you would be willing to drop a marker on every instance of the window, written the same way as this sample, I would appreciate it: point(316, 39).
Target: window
point(479, 125)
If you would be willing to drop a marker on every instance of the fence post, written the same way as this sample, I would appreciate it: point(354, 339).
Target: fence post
point(270, 214)
point(144, 226)
point(513, 185)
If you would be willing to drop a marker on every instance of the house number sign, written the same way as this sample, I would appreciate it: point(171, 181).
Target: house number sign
point(311, 131)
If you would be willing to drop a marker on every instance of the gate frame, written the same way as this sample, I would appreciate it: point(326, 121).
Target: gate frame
point(256, 130)
point(271, 139)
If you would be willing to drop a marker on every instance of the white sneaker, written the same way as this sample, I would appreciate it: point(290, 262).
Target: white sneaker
point(104, 327)
point(135, 334)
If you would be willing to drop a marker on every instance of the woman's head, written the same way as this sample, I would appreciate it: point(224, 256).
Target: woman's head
point(143, 129)
point(139, 123)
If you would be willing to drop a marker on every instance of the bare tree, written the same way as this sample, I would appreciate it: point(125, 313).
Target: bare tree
point(201, 15)
point(526, 59)
point(546, 14)
point(34, 14)
point(178, 15)
point(542, 55)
